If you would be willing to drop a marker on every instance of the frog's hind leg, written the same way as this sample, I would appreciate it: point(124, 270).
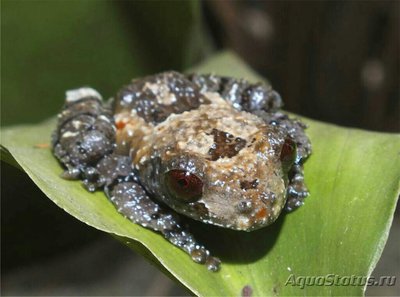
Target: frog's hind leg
point(242, 94)
point(85, 133)
point(132, 201)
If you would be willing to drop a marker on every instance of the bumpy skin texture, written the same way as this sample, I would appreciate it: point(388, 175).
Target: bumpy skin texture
point(212, 148)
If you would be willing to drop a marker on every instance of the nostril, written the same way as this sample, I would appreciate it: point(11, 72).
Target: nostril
point(244, 206)
point(246, 184)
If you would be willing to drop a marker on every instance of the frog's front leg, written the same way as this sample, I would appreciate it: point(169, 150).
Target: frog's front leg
point(132, 201)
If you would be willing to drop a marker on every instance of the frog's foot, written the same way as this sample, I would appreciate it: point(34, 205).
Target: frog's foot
point(107, 171)
point(297, 190)
point(132, 201)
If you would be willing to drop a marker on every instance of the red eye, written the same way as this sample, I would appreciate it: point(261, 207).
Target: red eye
point(288, 153)
point(183, 185)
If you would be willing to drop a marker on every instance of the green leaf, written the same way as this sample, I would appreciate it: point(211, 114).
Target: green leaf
point(353, 177)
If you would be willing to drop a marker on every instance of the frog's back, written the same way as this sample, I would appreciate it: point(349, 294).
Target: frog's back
point(154, 98)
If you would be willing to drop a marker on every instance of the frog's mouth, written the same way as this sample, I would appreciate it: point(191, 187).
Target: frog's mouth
point(245, 213)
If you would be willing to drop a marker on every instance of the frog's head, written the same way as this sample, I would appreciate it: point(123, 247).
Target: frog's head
point(223, 168)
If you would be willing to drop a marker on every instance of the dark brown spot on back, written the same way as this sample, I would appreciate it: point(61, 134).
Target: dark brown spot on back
point(247, 184)
point(225, 145)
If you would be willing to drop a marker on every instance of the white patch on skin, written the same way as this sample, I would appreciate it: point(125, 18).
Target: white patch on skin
point(216, 98)
point(128, 98)
point(76, 124)
point(162, 93)
point(77, 94)
point(143, 159)
point(69, 134)
point(198, 144)
point(104, 118)
point(243, 222)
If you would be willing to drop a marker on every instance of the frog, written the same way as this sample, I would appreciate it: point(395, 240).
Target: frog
point(212, 148)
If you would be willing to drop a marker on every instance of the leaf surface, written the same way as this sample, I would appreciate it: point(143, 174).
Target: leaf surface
point(353, 177)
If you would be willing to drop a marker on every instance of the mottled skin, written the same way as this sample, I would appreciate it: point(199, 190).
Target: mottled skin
point(212, 148)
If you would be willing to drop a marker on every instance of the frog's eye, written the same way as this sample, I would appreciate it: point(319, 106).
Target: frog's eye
point(183, 185)
point(288, 153)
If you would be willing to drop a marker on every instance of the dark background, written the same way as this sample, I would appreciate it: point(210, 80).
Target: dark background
point(332, 61)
